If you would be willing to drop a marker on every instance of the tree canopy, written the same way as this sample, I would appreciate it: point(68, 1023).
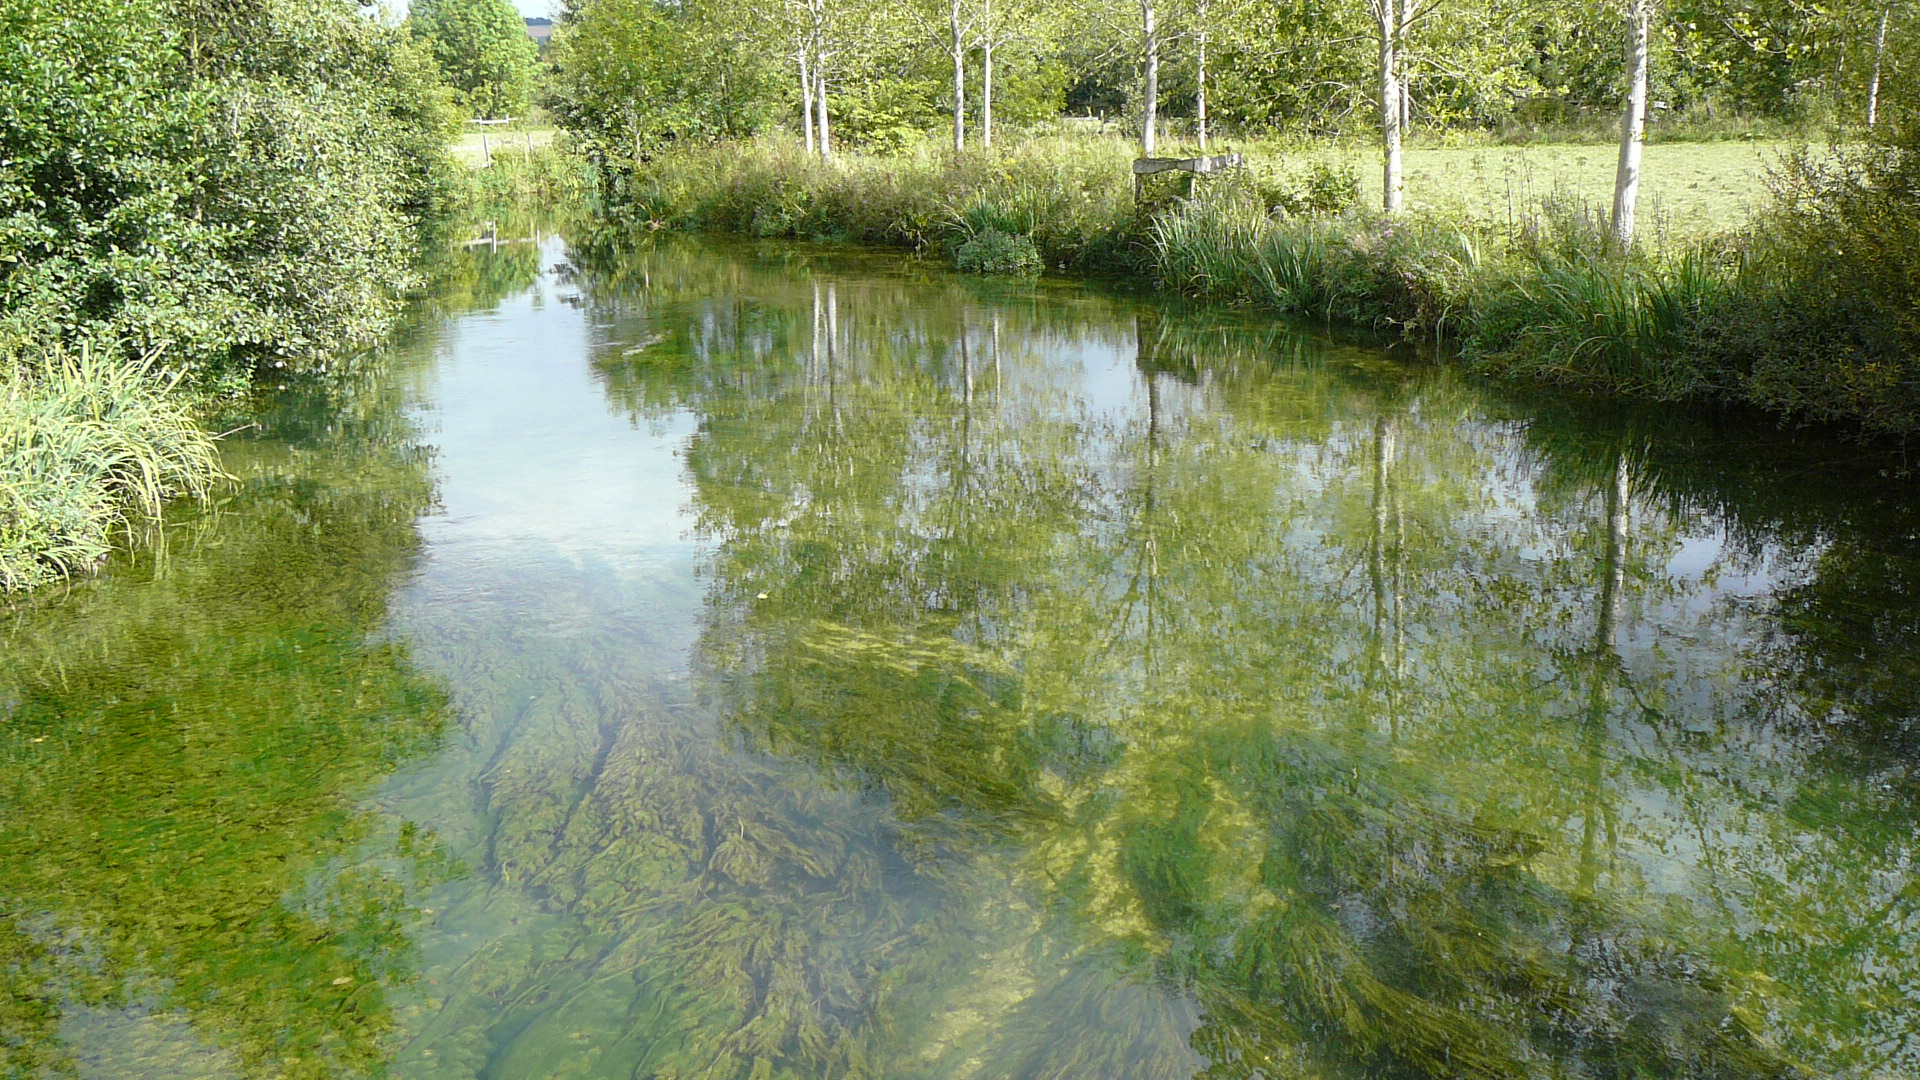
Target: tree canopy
point(483, 51)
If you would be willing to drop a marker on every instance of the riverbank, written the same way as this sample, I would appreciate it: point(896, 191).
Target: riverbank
point(1793, 305)
point(188, 220)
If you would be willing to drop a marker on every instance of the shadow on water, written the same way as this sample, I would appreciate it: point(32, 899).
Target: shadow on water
point(849, 670)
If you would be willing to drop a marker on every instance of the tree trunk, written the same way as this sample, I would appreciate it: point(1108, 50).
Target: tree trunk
point(1879, 54)
point(1633, 127)
point(1393, 196)
point(806, 100)
point(986, 94)
point(1200, 90)
point(1150, 118)
point(820, 89)
point(958, 47)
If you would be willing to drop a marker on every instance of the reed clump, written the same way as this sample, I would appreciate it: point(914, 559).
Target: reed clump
point(89, 444)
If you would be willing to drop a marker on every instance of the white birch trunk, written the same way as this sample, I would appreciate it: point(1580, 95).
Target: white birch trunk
point(1879, 54)
point(988, 42)
point(806, 100)
point(1200, 90)
point(1633, 126)
point(986, 94)
point(1150, 111)
point(820, 90)
point(1393, 195)
point(958, 47)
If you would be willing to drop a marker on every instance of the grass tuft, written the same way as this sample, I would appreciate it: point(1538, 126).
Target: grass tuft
point(89, 444)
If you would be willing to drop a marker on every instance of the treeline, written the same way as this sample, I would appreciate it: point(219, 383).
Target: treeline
point(191, 192)
point(630, 74)
point(1808, 310)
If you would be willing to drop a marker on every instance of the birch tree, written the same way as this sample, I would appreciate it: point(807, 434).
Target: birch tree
point(1002, 24)
point(1150, 95)
point(950, 24)
point(1391, 18)
point(1633, 124)
point(1879, 58)
point(1202, 26)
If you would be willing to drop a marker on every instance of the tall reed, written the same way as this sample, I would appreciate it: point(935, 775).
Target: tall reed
point(89, 444)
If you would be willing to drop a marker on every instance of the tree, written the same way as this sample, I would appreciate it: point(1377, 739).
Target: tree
point(1879, 57)
point(483, 48)
point(950, 26)
point(1633, 125)
point(1391, 21)
point(1150, 95)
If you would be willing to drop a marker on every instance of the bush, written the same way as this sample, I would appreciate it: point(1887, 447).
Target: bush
point(996, 252)
point(89, 444)
point(239, 191)
point(1826, 321)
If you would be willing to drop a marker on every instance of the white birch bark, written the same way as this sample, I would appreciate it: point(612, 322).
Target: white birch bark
point(1391, 25)
point(1879, 54)
point(986, 92)
point(1633, 125)
point(806, 100)
point(958, 47)
point(820, 91)
point(1150, 106)
point(1200, 87)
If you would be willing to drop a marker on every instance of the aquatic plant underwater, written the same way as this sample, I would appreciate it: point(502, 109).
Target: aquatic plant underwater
point(1045, 686)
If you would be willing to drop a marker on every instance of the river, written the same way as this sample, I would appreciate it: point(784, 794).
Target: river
point(749, 662)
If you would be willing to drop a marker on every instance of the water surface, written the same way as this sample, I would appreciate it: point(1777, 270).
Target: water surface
point(760, 662)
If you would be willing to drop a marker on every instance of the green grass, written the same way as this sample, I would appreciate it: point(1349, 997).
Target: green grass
point(1504, 250)
point(88, 445)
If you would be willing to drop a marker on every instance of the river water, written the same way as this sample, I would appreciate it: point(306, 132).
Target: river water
point(748, 662)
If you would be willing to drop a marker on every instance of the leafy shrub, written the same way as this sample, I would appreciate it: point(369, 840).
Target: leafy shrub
point(238, 190)
point(88, 444)
point(996, 252)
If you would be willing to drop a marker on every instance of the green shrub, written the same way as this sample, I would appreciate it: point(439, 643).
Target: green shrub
point(996, 252)
point(89, 444)
point(239, 191)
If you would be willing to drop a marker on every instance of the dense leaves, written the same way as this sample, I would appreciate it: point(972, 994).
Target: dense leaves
point(483, 51)
point(225, 183)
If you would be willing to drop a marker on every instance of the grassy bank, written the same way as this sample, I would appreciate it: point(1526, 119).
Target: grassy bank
point(1796, 298)
point(89, 445)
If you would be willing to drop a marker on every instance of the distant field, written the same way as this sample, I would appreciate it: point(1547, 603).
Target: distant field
point(498, 140)
point(1689, 188)
point(1686, 187)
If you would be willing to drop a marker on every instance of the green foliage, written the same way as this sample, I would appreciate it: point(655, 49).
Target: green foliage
point(235, 191)
point(1826, 321)
point(631, 76)
point(483, 51)
point(994, 252)
point(89, 445)
point(229, 188)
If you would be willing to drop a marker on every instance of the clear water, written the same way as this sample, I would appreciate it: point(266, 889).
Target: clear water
point(751, 663)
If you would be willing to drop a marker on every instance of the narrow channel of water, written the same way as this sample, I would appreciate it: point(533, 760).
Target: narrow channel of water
point(750, 662)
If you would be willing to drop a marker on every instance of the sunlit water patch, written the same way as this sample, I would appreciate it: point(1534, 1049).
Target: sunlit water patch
point(758, 662)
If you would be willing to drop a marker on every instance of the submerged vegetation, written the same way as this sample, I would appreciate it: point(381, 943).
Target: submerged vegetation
point(1220, 728)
